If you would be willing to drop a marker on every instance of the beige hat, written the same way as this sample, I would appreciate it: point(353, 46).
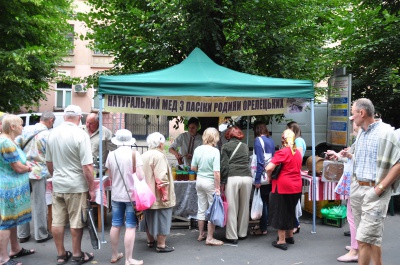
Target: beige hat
point(73, 110)
point(123, 137)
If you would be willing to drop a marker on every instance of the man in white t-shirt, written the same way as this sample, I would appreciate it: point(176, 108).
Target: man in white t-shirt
point(69, 160)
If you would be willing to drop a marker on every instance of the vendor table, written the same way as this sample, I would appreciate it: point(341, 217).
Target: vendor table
point(324, 190)
point(186, 199)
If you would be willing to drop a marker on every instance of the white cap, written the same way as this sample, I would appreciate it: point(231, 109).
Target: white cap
point(351, 118)
point(123, 137)
point(73, 110)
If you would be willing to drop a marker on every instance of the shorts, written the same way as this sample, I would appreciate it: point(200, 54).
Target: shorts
point(369, 212)
point(119, 211)
point(69, 207)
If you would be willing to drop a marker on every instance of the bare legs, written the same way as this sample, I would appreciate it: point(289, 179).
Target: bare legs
point(202, 235)
point(129, 243)
point(368, 252)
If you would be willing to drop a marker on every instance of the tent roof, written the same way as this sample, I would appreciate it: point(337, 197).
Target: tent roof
point(198, 75)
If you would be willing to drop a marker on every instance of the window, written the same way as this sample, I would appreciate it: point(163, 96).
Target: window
point(70, 38)
point(63, 95)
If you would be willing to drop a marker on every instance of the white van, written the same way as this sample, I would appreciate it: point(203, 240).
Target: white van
point(33, 118)
point(303, 119)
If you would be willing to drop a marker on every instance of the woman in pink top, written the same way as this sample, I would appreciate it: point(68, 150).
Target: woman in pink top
point(286, 189)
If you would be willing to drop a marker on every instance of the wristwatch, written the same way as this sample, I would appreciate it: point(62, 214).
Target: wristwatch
point(380, 186)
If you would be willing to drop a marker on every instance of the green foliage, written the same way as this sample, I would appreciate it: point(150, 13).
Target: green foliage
point(370, 49)
point(32, 44)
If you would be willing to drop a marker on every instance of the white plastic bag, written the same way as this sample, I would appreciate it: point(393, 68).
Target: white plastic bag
point(256, 205)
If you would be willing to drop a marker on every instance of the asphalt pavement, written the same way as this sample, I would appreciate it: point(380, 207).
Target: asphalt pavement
point(322, 247)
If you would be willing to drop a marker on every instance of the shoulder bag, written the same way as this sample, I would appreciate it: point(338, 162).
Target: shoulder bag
point(139, 214)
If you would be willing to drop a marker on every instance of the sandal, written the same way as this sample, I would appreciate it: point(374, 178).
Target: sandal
point(12, 262)
point(150, 244)
point(64, 258)
point(21, 253)
point(258, 232)
point(165, 249)
point(214, 242)
point(201, 238)
point(256, 227)
point(120, 256)
point(81, 259)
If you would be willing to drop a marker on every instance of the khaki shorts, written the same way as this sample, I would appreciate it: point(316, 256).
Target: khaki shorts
point(369, 212)
point(69, 207)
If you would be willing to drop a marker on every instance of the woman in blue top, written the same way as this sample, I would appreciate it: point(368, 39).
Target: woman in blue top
point(261, 131)
point(15, 204)
point(301, 146)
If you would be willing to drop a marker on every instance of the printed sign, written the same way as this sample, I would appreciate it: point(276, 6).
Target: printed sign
point(200, 106)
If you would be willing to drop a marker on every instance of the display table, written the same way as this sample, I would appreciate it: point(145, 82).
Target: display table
point(186, 199)
point(324, 190)
point(106, 186)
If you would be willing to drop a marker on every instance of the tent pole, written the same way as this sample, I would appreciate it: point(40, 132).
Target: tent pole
point(101, 165)
point(314, 182)
point(248, 127)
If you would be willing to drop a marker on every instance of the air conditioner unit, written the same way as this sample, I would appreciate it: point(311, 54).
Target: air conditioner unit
point(80, 88)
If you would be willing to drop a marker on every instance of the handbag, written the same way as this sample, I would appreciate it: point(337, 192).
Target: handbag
point(225, 204)
point(256, 205)
point(276, 172)
point(215, 213)
point(253, 167)
point(94, 238)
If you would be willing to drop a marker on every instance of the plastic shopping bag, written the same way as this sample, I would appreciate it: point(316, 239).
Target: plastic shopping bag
point(144, 197)
point(343, 186)
point(256, 205)
point(225, 203)
point(215, 213)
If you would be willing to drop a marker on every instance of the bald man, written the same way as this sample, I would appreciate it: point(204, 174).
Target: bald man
point(92, 129)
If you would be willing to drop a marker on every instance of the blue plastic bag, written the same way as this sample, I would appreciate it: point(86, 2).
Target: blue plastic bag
point(215, 213)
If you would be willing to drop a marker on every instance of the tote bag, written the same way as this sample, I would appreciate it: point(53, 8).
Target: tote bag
point(144, 197)
point(343, 186)
point(215, 213)
point(253, 165)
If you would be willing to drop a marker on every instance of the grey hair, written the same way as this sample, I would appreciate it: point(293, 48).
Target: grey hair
point(155, 139)
point(48, 115)
point(211, 136)
point(365, 104)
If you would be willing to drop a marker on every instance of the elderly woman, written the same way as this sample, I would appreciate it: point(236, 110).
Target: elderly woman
point(160, 180)
point(236, 182)
point(286, 189)
point(15, 206)
point(121, 163)
point(206, 161)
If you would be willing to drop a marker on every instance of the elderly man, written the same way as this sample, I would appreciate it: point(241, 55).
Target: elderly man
point(375, 175)
point(33, 141)
point(92, 129)
point(69, 160)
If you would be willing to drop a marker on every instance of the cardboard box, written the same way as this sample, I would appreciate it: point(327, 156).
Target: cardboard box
point(308, 205)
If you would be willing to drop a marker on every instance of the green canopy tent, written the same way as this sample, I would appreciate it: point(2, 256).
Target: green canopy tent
point(204, 87)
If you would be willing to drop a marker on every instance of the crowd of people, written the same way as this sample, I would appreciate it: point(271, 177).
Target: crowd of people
point(30, 155)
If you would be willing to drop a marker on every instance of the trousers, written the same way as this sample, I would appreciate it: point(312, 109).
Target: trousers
point(39, 212)
point(237, 192)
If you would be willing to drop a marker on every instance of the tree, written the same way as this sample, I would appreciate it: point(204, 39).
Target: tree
point(32, 45)
point(370, 49)
point(280, 38)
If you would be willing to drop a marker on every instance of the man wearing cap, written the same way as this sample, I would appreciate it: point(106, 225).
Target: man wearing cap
point(92, 129)
point(187, 142)
point(69, 160)
point(33, 141)
point(375, 175)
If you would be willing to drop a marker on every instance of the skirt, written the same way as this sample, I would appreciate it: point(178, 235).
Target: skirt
point(158, 221)
point(283, 210)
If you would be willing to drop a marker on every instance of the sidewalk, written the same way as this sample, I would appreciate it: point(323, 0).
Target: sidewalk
point(323, 247)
